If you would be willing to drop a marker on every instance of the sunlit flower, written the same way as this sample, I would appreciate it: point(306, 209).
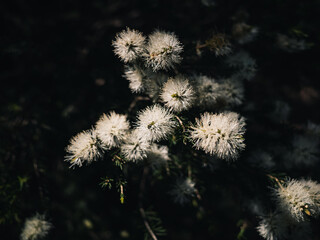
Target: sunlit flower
point(112, 129)
point(134, 148)
point(299, 199)
point(219, 134)
point(84, 147)
point(129, 45)
point(177, 94)
point(155, 123)
point(163, 51)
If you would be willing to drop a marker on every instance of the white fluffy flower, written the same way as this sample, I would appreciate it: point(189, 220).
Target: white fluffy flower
point(305, 151)
point(129, 45)
point(163, 51)
point(112, 129)
point(158, 156)
point(299, 199)
point(134, 148)
point(219, 134)
point(273, 227)
point(208, 91)
point(183, 190)
point(177, 94)
point(35, 227)
point(135, 76)
point(155, 123)
point(231, 92)
point(84, 147)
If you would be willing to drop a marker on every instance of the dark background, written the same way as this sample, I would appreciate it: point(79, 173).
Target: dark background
point(59, 74)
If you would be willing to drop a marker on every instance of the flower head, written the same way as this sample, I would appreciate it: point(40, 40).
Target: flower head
point(177, 94)
point(183, 190)
point(163, 51)
point(245, 65)
point(155, 123)
point(35, 228)
point(112, 129)
point(299, 199)
point(129, 45)
point(273, 226)
point(84, 147)
point(219, 134)
point(134, 148)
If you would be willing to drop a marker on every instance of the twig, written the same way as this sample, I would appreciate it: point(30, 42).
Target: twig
point(277, 180)
point(141, 209)
point(181, 123)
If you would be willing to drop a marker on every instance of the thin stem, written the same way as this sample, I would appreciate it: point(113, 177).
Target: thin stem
point(141, 209)
point(277, 180)
point(181, 123)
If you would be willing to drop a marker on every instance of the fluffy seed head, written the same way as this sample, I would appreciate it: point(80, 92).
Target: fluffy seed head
point(219, 134)
point(183, 190)
point(178, 94)
point(155, 123)
point(35, 228)
point(134, 148)
point(84, 147)
point(163, 51)
point(129, 45)
point(112, 129)
point(299, 199)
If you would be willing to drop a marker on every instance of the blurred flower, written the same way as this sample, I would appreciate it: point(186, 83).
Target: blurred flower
point(84, 147)
point(219, 134)
point(155, 123)
point(35, 228)
point(153, 84)
point(290, 44)
point(163, 51)
point(273, 226)
point(177, 94)
point(112, 129)
point(231, 92)
point(207, 90)
point(245, 65)
point(129, 45)
point(183, 190)
point(219, 44)
point(304, 151)
point(262, 159)
point(244, 33)
point(158, 156)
